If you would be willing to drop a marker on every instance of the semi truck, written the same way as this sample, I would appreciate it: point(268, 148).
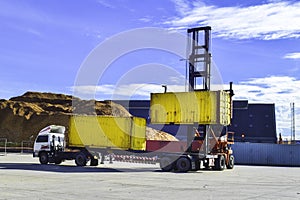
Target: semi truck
point(92, 138)
point(87, 136)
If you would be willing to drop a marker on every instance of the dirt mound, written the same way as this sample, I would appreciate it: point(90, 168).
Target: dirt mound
point(153, 134)
point(22, 117)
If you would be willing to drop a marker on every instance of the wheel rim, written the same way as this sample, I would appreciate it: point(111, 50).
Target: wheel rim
point(80, 160)
point(183, 164)
point(231, 162)
point(43, 158)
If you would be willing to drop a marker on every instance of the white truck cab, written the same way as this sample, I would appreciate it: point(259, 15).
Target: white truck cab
point(49, 140)
point(50, 147)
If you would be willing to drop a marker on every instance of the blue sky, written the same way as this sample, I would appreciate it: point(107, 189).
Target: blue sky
point(255, 44)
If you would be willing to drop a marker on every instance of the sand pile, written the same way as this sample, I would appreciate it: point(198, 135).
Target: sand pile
point(22, 117)
point(153, 134)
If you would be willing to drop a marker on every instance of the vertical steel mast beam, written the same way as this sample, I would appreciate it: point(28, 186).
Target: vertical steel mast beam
point(200, 54)
point(199, 67)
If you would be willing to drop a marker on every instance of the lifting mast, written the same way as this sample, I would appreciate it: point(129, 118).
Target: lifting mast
point(199, 67)
point(200, 54)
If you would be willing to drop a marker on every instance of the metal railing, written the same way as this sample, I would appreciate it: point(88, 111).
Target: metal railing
point(4, 147)
point(16, 147)
point(27, 146)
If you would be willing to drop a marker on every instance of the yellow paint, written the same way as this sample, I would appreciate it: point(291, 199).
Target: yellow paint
point(203, 107)
point(107, 131)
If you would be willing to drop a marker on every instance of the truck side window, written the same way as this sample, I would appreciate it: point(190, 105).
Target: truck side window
point(42, 138)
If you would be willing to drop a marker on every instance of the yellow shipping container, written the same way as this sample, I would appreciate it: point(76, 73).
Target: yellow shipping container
point(202, 107)
point(108, 131)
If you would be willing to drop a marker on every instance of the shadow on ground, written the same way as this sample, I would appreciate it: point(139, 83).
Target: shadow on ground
point(68, 169)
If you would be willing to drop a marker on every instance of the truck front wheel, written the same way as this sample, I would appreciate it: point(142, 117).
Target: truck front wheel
point(44, 159)
point(80, 159)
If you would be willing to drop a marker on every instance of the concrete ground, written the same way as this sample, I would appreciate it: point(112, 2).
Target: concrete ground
point(22, 177)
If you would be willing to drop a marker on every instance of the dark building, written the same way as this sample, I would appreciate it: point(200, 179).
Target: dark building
point(253, 122)
point(250, 123)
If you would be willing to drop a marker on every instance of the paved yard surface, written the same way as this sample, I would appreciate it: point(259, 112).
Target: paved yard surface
point(22, 177)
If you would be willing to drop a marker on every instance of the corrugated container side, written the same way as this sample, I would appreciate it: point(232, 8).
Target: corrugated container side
point(203, 107)
point(206, 111)
point(266, 154)
point(105, 131)
point(225, 108)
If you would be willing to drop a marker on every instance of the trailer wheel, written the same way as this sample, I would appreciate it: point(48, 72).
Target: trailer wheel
point(44, 159)
point(57, 161)
point(183, 164)
point(166, 164)
point(80, 159)
point(220, 163)
point(230, 164)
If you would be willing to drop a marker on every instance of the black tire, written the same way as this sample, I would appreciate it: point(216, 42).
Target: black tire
point(220, 163)
point(166, 164)
point(230, 164)
point(57, 161)
point(197, 165)
point(80, 159)
point(94, 162)
point(183, 164)
point(44, 159)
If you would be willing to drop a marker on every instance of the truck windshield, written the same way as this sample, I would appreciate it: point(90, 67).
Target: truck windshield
point(42, 138)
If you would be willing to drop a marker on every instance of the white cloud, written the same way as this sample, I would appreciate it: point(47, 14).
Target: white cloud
point(34, 32)
point(90, 91)
point(281, 90)
point(105, 4)
point(292, 55)
point(146, 19)
point(128, 91)
point(272, 20)
point(182, 6)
